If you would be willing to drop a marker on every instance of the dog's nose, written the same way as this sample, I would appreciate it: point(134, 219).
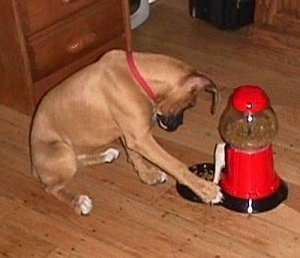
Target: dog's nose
point(170, 123)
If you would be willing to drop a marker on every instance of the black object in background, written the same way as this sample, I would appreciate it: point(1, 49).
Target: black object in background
point(134, 5)
point(225, 14)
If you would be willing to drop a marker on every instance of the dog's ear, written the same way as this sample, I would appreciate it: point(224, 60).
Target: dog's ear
point(197, 82)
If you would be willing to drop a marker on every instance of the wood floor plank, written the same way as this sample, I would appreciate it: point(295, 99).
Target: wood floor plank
point(257, 232)
point(130, 219)
point(21, 242)
point(66, 236)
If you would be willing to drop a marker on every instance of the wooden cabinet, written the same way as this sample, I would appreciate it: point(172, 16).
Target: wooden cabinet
point(43, 42)
point(277, 25)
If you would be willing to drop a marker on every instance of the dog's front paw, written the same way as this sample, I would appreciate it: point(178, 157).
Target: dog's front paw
point(153, 176)
point(83, 205)
point(211, 193)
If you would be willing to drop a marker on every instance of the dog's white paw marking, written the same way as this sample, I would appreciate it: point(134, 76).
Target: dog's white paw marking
point(111, 154)
point(218, 198)
point(164, 177)
point(85, 204)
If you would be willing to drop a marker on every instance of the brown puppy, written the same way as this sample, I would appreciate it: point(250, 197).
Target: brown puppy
point(103, 102)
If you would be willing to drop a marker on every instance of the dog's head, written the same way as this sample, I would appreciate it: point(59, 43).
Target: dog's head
point(172, 105)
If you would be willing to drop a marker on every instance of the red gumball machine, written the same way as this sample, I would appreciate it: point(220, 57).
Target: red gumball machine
point(248, 126)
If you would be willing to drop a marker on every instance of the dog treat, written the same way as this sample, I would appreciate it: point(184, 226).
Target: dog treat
point(251, 135)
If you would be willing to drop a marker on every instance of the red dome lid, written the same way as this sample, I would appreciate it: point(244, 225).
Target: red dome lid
point(250, 98)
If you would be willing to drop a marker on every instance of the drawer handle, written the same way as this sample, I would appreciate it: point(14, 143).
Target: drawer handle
point(81, 43)
point(68, 1)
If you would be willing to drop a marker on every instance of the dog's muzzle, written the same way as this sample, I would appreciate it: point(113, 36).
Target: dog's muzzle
point(170, 123)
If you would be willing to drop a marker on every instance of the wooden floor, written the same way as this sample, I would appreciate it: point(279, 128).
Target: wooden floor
point(130, 219)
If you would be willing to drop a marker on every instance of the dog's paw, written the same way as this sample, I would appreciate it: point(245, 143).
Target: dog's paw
point(153, 176)
point(162, 178)
point(218, 198)
point(83, 205)
point(110, 155)
point(211, 194)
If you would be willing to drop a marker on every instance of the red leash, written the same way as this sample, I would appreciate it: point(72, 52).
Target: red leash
point(137, 75)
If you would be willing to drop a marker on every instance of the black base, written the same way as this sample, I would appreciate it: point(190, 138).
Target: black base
point(206, 171)
point(255, 206)
point(225, 14)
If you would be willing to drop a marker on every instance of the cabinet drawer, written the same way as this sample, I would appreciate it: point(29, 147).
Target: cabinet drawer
point(39, 14)
point(65, 42)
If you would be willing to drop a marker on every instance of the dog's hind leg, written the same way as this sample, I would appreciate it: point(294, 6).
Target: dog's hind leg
point(55, 165)
point(107, 156)
point(148, 173)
